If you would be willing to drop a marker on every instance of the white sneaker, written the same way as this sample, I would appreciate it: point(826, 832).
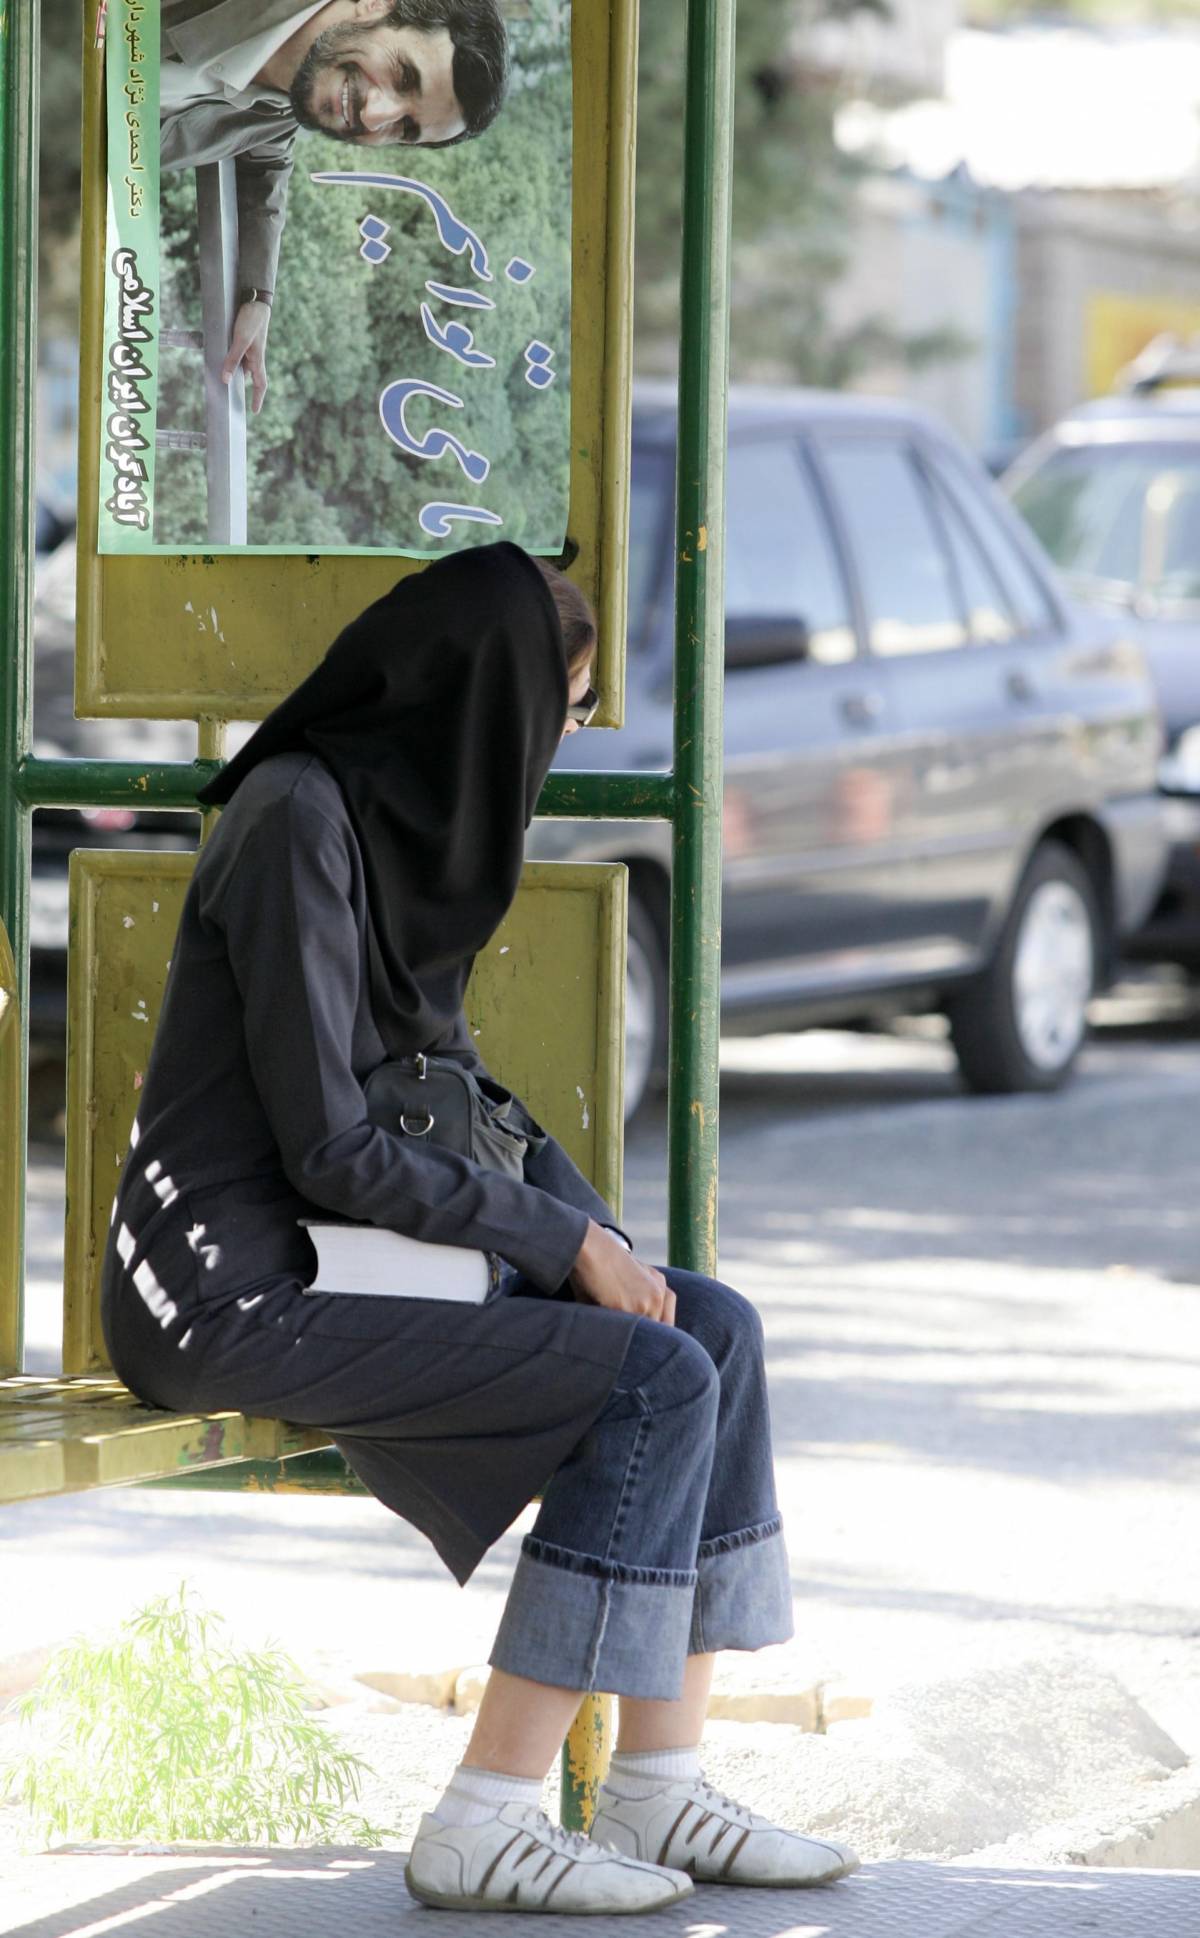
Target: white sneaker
point(520, 1861)
point(692, 1827)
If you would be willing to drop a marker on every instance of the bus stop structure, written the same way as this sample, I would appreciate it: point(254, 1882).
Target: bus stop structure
point(84, 1430)
point(62, 1435)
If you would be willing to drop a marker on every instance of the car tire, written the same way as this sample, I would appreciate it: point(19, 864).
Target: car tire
point(1021, 1025)
point(645, 1007)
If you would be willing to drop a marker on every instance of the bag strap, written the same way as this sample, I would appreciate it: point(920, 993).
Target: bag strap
point(530, 1129)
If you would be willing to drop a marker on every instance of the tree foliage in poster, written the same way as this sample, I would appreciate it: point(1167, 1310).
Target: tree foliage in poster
point(322, 472)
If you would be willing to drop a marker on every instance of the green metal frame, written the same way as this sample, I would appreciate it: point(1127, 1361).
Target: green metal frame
point(689, 796)
point(18, 310)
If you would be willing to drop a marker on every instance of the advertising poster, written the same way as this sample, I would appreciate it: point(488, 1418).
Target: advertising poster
point(337, 295)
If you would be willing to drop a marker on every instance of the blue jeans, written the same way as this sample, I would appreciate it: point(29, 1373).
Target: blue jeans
point(659, 1536)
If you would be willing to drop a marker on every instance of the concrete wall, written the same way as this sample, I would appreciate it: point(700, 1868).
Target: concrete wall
point(1097, 277)
point(1055, 293)
point(932, 256)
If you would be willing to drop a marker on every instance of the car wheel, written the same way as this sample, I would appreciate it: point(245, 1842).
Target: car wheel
point(645, 1007)
point(1022, 1025)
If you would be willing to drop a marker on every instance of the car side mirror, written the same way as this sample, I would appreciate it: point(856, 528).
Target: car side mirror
point(765, 640)
point(1179, 770)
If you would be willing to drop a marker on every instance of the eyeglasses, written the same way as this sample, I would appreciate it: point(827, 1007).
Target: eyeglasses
point(582, 711)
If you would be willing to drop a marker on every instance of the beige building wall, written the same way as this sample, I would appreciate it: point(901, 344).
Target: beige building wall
point(902, 56)
point(1097, 277)
point(922, 263)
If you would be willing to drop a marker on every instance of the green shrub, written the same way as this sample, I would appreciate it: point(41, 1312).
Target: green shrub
point(166, 1732)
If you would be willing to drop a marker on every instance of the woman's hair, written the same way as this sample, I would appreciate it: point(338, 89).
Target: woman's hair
point(575, 615)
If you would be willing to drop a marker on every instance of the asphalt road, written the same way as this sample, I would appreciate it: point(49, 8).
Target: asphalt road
point(983, 1321)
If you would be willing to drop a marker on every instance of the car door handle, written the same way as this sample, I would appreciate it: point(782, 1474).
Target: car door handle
point(1021, 687)
point(861, 709)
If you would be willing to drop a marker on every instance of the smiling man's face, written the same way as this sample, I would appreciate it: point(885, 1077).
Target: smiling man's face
point(378, 85)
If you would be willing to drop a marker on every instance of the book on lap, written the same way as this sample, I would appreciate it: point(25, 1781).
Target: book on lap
point(371, 1260)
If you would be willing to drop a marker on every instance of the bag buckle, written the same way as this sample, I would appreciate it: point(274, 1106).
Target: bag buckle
point(425, 1129)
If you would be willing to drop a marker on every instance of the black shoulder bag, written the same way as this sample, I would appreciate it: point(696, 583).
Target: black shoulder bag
point(439, 1099)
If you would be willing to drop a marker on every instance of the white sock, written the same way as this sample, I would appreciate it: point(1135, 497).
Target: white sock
point(474, 1795)
point(639, 1773)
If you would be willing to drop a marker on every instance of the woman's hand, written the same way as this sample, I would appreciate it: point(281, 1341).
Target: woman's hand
point(606, 1274)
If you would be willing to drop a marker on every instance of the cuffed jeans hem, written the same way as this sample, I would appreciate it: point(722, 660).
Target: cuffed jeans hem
point(579, 1622)
point(743, 1596)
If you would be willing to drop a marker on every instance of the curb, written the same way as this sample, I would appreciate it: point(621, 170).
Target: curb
point(814, 1706)
point(1163, 1835)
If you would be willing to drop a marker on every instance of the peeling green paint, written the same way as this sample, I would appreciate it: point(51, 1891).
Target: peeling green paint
point(585, 1760)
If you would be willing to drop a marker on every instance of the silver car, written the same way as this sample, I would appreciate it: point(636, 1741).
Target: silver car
point(939, 768)
point(1113, 493)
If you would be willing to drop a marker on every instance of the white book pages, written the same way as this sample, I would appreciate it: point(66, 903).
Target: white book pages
point(386, 1264)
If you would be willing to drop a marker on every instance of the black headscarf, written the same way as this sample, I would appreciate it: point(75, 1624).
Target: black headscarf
point(439, 711)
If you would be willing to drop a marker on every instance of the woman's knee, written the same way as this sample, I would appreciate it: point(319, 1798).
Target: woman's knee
point(722, 1318)
point(740, 1315)
point(666, 1367)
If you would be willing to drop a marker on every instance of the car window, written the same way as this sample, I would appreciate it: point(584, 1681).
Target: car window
point(911, 601)
point(1027, 593)
point(990, 613)
point(1121, 516)
point(1172, 547)
point(651, 497)
point(780, 562)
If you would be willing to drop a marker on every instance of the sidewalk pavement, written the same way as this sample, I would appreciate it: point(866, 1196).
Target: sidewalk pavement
point(292, 1894)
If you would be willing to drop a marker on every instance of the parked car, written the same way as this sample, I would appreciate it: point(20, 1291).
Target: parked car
point(57, 830)
point(51, 524)
point(1113, 493)
point(939, 767)
point(999, 457)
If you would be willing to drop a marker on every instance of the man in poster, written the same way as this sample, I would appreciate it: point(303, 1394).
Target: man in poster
point(239, 78)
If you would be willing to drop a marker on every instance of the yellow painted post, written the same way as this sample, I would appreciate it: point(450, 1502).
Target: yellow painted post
point(585, 1759)
point(588, 1746)
point(124, 913)
point(211, 734)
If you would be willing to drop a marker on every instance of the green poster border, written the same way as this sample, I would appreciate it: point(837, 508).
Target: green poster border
point(132, 90)
point(131, 76)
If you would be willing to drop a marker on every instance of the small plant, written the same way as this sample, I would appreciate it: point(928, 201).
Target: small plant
point(166, 1732)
